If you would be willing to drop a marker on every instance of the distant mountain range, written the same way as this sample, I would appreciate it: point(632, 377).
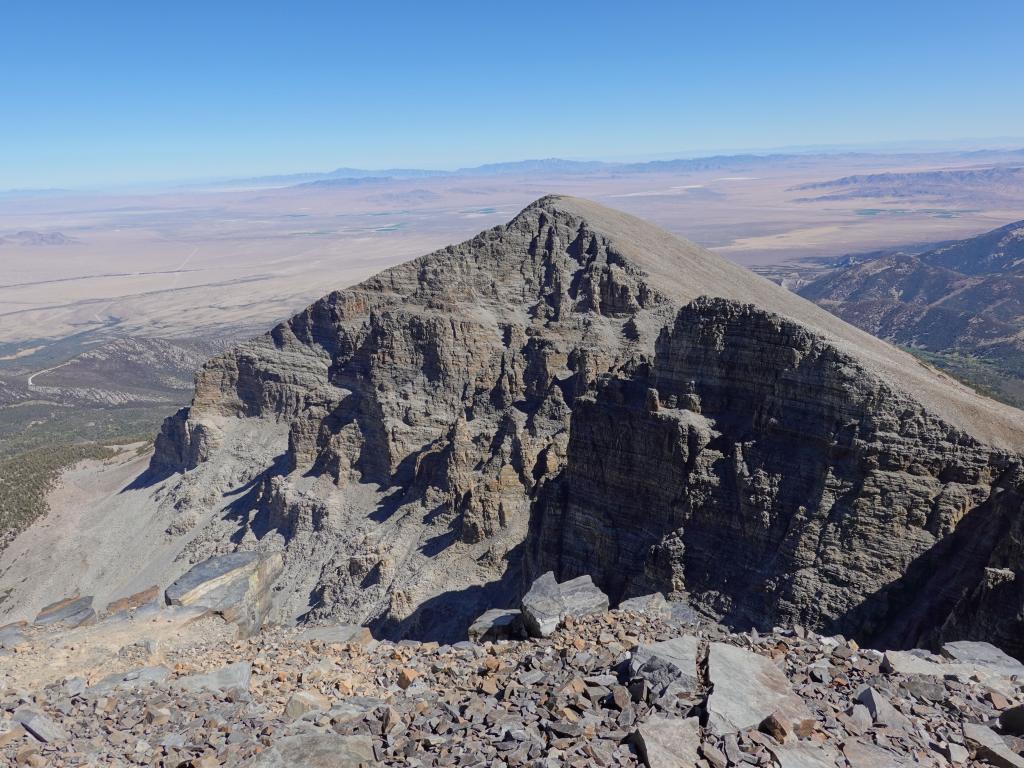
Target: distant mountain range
point(31, 237)
point(983, 183)
point(959, 304)
point(559, 166)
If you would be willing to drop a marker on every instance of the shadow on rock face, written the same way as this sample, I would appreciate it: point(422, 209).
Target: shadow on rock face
point(446, 618)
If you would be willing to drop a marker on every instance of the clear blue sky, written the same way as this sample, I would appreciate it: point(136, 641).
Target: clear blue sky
point(109, 92)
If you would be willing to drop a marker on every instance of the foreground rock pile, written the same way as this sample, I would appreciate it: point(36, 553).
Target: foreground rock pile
point(645, 684)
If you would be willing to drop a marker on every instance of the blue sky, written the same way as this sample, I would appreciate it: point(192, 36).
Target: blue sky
point(96, 92)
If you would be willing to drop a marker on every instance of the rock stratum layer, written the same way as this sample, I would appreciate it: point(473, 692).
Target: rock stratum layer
point(581, 392)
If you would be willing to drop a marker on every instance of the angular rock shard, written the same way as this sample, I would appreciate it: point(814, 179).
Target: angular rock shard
point(669, 667)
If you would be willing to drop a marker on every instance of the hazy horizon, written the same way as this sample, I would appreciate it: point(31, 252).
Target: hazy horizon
point(906, 146)
point(109, 94)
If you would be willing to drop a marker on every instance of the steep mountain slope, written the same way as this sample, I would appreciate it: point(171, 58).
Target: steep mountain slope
point(556, 394)
point(964, 298)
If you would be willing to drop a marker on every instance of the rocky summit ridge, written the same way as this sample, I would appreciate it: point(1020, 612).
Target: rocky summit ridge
point(580, 392)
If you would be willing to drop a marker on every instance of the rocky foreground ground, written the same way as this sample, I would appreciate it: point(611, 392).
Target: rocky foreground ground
point(645, 684)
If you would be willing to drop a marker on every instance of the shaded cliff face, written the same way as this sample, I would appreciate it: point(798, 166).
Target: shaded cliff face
point(772, 479)
point(534, 399)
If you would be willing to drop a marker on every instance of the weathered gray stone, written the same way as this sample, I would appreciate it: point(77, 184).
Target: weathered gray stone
point(70, 612)
point(336, 633)
point(669, 667)
point(317, 751)
point(805, 755)
point(653, 604)
point(236, 585)
point(302, 702)
point(983, 655)
point(668, 742)
point(146, 597)
point(237, 675)
point(746, 688)
point(11, 635)
point(132, 679)
point(39, 725)
point(862, 755)
point(882, 711)
point(497, 624)
point(957, 754)
point(548, 603)
point(988, 746)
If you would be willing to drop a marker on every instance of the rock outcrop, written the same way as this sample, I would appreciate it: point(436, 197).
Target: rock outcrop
point(580, 392)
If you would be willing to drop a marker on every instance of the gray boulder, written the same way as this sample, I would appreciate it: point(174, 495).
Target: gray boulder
point(548, 603)
point(236, 585)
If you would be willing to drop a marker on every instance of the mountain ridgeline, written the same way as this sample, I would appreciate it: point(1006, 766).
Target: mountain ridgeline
point(579, 391)
point(961, 304)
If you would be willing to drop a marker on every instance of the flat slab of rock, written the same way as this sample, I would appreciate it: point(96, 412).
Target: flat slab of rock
point(548, 603)
point(39, 725)
point(71, 612)
point(882, 711)
point(668, 742)
point(317, 751)
point(236, 585)
point(989, 746)
point(803, 754)
point(861, 755)
point(670, 666)
point(303, 702)
point(746, 688)
point(982, 655)
point(132, 679)
point(337, 633)
point(497, 624)
point(237, 675)
point(150, 596)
